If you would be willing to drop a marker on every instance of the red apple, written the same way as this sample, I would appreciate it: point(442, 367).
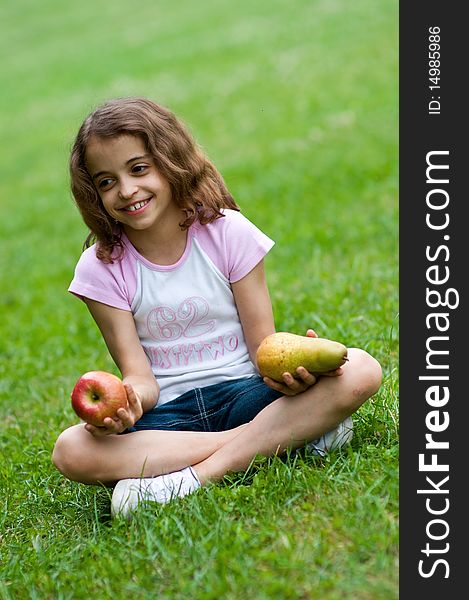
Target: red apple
point(97, 395)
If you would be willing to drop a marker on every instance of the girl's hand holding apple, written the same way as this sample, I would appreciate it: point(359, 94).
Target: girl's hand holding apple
point(105, 403)
point(124, 417)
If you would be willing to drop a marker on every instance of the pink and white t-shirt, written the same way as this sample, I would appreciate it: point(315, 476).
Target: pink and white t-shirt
point(185, 313)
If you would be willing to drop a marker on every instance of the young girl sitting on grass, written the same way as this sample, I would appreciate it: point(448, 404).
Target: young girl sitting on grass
point(173, 275)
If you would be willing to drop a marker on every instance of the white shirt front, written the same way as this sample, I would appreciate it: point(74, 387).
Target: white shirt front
point(188, 325)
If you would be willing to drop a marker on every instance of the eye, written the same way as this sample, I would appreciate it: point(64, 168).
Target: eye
point(139, 169)
point(105, 183)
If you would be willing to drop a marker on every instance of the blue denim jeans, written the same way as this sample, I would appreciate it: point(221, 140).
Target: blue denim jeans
point(216, 407)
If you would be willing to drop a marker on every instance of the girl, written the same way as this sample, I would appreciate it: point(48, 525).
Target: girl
point(173, 275)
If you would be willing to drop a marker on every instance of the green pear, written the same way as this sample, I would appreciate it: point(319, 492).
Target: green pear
point(284, 352)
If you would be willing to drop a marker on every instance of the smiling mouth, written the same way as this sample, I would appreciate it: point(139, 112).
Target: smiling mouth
point(136, 206)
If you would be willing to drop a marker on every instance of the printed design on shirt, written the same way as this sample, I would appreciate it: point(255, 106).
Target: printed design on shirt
point(179, 355)
point(188, 320)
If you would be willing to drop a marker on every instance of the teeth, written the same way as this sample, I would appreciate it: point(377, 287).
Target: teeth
point(137, 205)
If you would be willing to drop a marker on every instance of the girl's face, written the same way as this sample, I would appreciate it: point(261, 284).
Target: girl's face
point(132, 190)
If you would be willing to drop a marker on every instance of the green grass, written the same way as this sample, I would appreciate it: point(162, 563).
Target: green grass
point(296, 103)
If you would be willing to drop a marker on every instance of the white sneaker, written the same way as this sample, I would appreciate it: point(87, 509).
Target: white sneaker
point(129, 493)
point(333, 439)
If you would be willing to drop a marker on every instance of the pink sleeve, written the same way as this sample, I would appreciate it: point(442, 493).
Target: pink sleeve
point(234, 244)
point(113, 284)
point(246, 246)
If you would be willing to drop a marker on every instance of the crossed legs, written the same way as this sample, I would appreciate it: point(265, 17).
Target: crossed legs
point(286, 423)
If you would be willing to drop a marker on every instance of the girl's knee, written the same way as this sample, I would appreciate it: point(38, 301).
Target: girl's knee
point(68, 455)
point(365, 375)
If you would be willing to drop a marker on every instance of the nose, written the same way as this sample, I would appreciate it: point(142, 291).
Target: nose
point(127, 188)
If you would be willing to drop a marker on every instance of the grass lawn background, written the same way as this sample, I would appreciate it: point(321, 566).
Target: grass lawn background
point(296, 103)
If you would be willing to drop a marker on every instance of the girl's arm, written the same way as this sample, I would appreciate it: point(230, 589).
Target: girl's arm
point(255, 312)
point(118, 330)
point(254, 308)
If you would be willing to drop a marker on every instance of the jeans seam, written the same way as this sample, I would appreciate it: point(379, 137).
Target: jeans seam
point(202, 408)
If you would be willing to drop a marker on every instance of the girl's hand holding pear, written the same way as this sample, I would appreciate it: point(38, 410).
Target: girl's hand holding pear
point(302, 379)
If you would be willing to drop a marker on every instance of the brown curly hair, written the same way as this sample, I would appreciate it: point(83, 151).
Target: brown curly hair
point(196, 185)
